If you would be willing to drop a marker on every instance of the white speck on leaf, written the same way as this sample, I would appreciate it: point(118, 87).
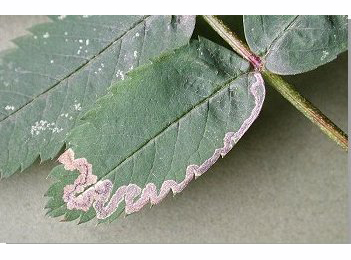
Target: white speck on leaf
point(77, 106)
point(325, 54)
point(61, 17)
point(52, 61)
point(46, 35)
point(135, 54)
point(80, 40)
point(87, 42)
point(66, 33)
point(44, 125)
point(8, 107)
point(35, 37)
point(120, 74)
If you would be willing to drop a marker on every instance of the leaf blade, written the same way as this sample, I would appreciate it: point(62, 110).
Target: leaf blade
point(136, 139)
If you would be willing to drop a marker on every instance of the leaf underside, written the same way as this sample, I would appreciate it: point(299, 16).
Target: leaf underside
point(168, 122)
point(292, 44)
point(60, 70)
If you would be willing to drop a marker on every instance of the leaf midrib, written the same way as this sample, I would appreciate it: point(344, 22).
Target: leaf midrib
point(225, 85)
point(88, 61)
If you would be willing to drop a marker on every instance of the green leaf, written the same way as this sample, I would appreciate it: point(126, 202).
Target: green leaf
point(166, 124)
point(292, 44)
point(57, 73)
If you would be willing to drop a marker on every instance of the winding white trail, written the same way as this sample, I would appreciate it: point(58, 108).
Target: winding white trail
point(98, 194)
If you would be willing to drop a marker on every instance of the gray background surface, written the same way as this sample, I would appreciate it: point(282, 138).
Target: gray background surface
point(284, 182)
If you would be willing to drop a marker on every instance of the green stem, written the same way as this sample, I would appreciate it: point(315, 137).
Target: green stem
point(307, 108)
point(233, 40)
point(277, 82)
